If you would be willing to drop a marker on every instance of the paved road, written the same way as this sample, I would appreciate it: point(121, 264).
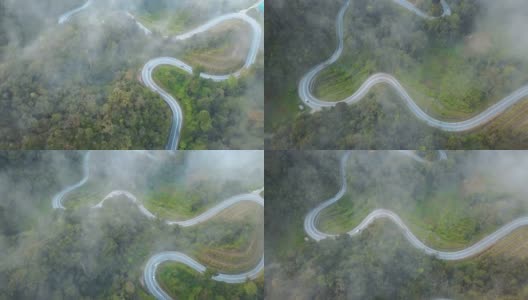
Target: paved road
point(66, 17)
point(311, 221)
point(143, 28)
point(56, 202)
point(307, 83)
point(149, 273)
point(151, 65)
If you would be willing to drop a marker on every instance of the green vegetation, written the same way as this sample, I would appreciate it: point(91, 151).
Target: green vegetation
point(80, 253)
point(168, 17)
point(222, 51)
point(380, 263)
point(440, 211)
point(168, 23)
point(345, 215)
point(62, 88)
point(214, 118)
point(231, 245)
point(167, 190)
point(83, 96)
point(386, 124)
point(454, 67)
point(287, 28)
point(454, 71)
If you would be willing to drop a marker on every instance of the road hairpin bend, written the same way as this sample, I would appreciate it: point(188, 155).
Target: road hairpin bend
point(312, 218)
point(307, 82)
point(311, 222)
point(151, 65)
point(149, 273)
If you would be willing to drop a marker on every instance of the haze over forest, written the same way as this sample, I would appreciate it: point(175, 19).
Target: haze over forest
point(76, 85)
point(81, 252)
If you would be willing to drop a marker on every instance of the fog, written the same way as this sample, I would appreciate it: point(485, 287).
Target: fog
point(434, 198)
point(484, 46)
point(51, 72)
point(108, 247)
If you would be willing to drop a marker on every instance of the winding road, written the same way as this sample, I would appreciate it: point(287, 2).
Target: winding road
point(311, 221)
point(307, 82)
point(151, 65)
point(149, 273)
point(67, 16)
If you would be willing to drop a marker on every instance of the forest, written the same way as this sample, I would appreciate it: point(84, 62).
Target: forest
point(380, 263)
point(77, 86)
point(454, 67)
point(79, 253)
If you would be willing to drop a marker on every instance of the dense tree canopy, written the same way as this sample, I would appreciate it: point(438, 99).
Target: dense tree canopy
point(454, 67)
point(379, 263)
point(76, 86)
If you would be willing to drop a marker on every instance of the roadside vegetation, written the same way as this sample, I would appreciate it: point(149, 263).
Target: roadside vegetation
point(453, 71)
point(445, 205)
point(166, 188)
point(213, 115)
point(178, 277)
point(76, 86)
point(81, 253)
point(169, 18)
point(380, 263)
point(451, 66)
point(222, 50)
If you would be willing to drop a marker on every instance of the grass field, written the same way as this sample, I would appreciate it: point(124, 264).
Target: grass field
point(185, 283)
point(514, 121)
point(346, 213)
point(514, 245)
point(449, 83)
point(456, 216)
point(167, 77)
point(171, 21)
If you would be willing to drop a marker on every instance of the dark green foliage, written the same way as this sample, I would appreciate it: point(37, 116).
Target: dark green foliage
point(76, 86)
point(379, 263)
point(84, 253)
point(382, 37)
point(375, 125)
point(214, 117)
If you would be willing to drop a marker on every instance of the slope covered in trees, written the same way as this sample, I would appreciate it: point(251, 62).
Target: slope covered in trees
point(76, 86)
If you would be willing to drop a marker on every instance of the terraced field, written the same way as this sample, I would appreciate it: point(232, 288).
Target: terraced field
point(220, 50)
point(514, 245)
point(460, 80)
point(514, 121)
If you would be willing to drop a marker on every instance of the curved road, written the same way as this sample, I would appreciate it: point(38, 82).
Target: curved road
point(149, 273)
point(151, 65)
point(311, 220)
point(307, 82)
point(56, 202)
point(66, 17)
